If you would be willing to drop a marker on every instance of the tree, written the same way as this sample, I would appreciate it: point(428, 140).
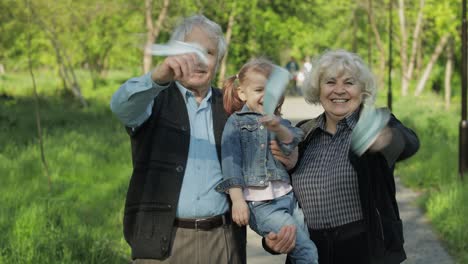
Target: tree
point(435, 55)
point(380, 46)
point(439, 26)
point(448, 73)
point(98, 27)
point(230, 25)
point(408, 66)
point(36, 103)
point(51, 21)
point(153, 30)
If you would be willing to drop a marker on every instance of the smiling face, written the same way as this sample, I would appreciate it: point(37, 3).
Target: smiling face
point(202, 76)
point(252, 90)
point(340, 96)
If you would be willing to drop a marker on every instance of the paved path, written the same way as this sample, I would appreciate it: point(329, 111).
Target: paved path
point(422, 246)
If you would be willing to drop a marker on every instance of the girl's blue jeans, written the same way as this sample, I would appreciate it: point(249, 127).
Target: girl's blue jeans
point(271, 215)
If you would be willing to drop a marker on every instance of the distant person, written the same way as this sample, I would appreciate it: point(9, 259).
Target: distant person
point(301, 75)
point(175, 119)
point(293, 68)
point(307, 66)
point(258, 184)
point(348, 200)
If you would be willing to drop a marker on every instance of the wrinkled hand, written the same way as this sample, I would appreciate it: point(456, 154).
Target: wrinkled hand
point(177, 67)
point(288, 161)
point(271, 122)
point(383, 139)
point(240, 212)
point(284, 241)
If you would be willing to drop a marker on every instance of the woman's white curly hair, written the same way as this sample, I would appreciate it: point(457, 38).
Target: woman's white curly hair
point(333, 64)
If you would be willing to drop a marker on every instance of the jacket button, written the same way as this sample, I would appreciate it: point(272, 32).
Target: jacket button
point(261, 127)
point(262, 182)
point(262, 145)
point(164, 238)
point(180, 168)
point(184, 128)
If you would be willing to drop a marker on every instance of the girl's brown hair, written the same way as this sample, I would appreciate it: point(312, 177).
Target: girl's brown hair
point(231, 100)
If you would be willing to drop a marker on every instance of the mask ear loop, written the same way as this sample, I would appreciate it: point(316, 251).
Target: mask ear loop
point(237, 84)
point(236, 80)
point(365, 103)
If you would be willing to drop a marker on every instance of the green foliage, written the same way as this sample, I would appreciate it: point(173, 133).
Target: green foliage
point(101, 35)
point(436, 161)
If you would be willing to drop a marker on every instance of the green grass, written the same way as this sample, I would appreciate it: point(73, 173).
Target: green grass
point(447, 209)
point(80, 219)
point(87, 150)
point(434, 169)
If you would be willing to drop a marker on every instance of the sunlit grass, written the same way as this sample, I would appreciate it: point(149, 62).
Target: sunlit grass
point(79, 220)
point(448, 213)
point(434, 169)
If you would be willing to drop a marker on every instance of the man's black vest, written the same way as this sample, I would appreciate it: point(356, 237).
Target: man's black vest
point(159, 153)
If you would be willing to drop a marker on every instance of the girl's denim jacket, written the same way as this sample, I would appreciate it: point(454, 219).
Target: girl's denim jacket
point(247, 160)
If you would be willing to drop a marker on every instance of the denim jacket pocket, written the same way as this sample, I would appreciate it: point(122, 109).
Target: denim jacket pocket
point(250, 126)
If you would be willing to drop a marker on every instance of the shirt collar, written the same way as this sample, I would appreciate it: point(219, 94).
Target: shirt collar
point(350, 120)
point(245, 110)
point(186, 93)
point(321, 121)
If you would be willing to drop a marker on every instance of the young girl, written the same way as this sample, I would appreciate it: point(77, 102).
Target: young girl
point(258, 184)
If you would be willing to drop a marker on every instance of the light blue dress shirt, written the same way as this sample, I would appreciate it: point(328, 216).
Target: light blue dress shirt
point(132, 104)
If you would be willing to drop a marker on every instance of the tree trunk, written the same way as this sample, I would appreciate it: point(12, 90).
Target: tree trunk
point(381, 48)
point(63, 73)
point(414, 44)
point(407, 66)
point(438, 50)
point(448, 74)
point(147, 57)
point(222, 70)
point(419, 59)
point(75, 86)
point(369, 34)
point(2, 69)
point(403, 48)
point(354, 43)
point(36, 106)
point(152, 31)
point(251, 33)
point(66, 71)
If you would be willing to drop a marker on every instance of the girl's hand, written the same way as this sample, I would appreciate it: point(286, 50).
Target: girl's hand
point(288, 161)
point(271, 122)
point(240, 212)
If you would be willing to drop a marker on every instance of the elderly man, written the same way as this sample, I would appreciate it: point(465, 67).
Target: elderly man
point(175, 119)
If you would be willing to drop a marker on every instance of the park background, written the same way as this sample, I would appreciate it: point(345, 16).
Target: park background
point(63, 185)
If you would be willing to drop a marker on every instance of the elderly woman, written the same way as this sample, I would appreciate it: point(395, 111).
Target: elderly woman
point(348, 200)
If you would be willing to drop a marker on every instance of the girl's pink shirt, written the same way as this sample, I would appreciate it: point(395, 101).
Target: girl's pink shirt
point(274, 190)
